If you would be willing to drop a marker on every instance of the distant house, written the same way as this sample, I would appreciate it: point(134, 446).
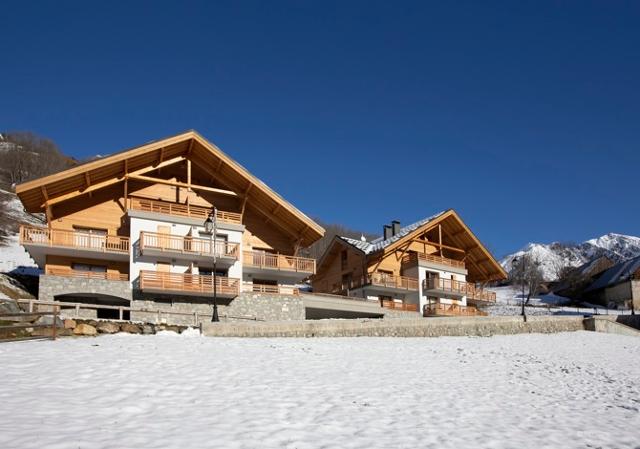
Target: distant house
point(579, 278)
point(435, 266)
point(619, 286)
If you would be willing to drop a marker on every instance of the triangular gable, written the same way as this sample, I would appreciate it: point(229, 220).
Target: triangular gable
point(39, 194)
point(480, 262)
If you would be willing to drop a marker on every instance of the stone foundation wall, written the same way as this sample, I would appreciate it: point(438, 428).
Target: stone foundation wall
point(50, 286)
point(421, 327)
point(247, 306)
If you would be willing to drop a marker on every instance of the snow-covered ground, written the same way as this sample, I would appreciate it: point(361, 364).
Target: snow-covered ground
point(564, 390)
point(508, 302)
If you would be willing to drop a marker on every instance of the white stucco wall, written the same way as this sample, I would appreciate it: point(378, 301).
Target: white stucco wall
point(177, 265)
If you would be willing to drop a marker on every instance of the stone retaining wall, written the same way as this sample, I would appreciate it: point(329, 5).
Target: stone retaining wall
point(49, 286)
point(421, 327)
point(246, 306)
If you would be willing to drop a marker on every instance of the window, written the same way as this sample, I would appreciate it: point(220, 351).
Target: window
point(346, 281)
point(343, 259)
point(88, 267)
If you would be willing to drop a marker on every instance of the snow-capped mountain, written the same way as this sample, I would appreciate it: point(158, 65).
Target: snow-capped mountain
point(555, 256)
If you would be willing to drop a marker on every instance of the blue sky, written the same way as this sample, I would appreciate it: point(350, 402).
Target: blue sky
point(523, 117)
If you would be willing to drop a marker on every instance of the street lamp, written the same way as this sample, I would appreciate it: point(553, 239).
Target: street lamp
point(210, 226)
point(522, 270)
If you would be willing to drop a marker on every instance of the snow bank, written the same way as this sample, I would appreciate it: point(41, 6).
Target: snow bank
point(544, 391)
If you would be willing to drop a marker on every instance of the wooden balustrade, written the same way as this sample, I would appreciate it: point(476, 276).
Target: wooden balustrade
point(30, 235)
point(186, 282)
point(269, 288)
point(186, 245)
point(440, 309)
point(391, 304)
point(260, 259)
point(101, 275)
point(460, 287)
point(414, 257)
point(392, 281)
point(182, 210)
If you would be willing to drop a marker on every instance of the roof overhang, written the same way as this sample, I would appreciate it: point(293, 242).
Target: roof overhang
point(38, 194)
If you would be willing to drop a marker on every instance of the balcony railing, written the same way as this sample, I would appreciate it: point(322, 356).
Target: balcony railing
point(188, 283)
point(268, 288)
point(175, 244)
point(459, 287)
point(431, 258)
point(392, 281)
point(407, 307)
point(259, 259)
point(440, 309)
point(30, 235)
point(182, 210)
point(102, 275)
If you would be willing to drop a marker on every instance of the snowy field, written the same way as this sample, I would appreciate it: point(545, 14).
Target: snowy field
point(541, 391)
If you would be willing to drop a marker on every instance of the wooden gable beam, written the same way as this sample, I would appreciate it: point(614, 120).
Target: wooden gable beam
point(109, 182)
point(180, 184)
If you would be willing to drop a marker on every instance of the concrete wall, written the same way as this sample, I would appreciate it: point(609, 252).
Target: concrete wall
point(247, 306)
point(421, 327)
point(613, 325)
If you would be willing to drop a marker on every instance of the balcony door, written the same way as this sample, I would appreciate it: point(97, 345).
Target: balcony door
point(90, 238)
point(164, 240)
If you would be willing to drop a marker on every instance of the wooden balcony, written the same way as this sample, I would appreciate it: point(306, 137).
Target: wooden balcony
point(449, 287)
point(268, 288)
point(414, 258)
point(191, 248)
point(391, 281)
point(439, 309)
point(100, 275)
point(182, 210)
point(261, 262)
point(104, 243)
point(407, 307)
point(188, 284)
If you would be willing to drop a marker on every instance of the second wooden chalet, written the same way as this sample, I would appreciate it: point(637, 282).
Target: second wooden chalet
point(435, 266)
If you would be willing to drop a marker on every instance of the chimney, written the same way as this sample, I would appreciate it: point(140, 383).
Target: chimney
point(386, 230)
point(395, 227)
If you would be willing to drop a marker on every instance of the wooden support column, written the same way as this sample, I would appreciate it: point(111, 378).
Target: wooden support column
point(188, 175)
point(440, 238)
point(48, 212)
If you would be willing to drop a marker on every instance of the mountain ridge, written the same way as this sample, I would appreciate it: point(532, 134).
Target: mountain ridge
point(555, 256)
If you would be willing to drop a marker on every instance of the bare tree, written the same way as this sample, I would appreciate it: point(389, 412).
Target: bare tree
point(526, 272)
point(27, 156)
point(317, 249)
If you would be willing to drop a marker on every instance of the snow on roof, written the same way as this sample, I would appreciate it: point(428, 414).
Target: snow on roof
point(379, 243)
point(616, 274)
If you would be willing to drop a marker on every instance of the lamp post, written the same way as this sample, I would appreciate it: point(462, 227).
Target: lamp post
point(210, 226)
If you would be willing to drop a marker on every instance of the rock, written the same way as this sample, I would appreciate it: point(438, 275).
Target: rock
point(147, 329)
point(130, 328)
point(69, 324)
point(108, 327)
point(48, 320)
point(84, 329)
point(9, 306)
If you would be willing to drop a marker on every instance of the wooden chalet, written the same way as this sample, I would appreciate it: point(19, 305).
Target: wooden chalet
point(136, 219)
point(435, 266)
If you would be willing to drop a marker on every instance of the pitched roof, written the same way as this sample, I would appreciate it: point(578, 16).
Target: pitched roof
point(481, 265)
point(379, 244)
point(618, 273)
point(112, 169)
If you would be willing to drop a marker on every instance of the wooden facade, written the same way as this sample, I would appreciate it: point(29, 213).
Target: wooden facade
point(89, 208)
point(444, 242)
